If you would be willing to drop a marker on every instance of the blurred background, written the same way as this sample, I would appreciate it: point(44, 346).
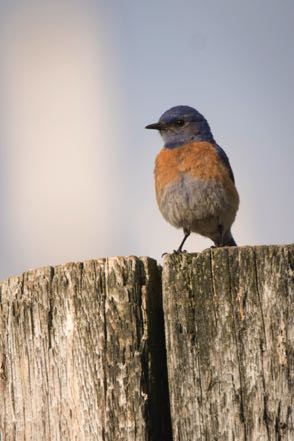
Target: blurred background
point(79, 80)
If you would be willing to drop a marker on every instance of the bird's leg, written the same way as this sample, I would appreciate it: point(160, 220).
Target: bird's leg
point(186, 235)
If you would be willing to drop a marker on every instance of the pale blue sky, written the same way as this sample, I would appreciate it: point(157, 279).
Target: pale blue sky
point(79, 82)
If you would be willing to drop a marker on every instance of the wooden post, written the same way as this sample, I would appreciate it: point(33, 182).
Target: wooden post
point(83, 355)
point(229, 317)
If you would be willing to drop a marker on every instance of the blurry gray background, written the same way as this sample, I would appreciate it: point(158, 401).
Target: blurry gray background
point(79, 80)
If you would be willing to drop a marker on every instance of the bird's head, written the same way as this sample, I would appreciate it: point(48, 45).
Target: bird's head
point(180, 125)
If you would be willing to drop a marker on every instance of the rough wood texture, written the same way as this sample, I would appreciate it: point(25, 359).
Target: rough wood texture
point(229, 319)
point(82, 353)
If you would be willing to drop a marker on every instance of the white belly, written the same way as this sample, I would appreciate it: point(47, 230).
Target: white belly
point(197, 205)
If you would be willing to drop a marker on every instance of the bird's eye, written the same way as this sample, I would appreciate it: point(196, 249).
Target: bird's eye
point(180, 122)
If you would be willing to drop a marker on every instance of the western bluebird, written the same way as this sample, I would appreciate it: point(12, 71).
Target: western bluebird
point(195, 186)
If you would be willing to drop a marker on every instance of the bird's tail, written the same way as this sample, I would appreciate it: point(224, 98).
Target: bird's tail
point(228, 240)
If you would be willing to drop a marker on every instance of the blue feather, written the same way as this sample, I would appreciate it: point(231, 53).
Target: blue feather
point(223, 156)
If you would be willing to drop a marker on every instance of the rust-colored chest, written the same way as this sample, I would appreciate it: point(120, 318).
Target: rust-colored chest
point(198, 160)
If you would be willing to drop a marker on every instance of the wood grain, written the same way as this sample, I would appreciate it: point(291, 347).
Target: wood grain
point(83, 354)
point(78, 353)
point(229, 317)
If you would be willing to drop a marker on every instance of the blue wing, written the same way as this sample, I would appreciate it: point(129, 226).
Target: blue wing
point(223, 156)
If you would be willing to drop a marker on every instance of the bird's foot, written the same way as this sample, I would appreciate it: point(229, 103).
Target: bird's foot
point(175, 252)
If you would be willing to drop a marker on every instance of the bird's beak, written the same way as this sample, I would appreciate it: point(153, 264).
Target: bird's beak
point(155, 126)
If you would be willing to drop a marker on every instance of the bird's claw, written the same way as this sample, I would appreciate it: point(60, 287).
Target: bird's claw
point(175, 252)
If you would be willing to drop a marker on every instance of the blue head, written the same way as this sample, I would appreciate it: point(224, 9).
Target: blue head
point(180, 125)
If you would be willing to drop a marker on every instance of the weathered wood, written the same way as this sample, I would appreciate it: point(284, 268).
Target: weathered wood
point(82, 353)
point(229, 320)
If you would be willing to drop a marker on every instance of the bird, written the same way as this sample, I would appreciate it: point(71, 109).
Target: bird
point(194, 182)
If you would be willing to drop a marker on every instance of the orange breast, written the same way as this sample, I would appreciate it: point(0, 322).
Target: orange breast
point(196, 159)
